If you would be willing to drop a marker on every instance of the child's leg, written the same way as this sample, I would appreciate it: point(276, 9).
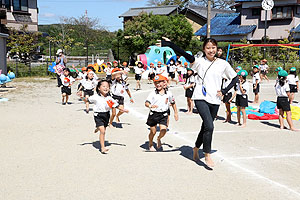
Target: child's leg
point(163, 131)
point(188, 104)
point(119, 113)
point(67, 98)
point(87, 104)
point(289, 120)
point(102, 139)
point(291, 97)
point(151, 136)
point(244, 116)
point(228, 112)
point(113, 114)
point(281, 118)
point(63, 97)
point(238, 115)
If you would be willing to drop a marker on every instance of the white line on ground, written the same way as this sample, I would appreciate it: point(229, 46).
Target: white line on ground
point(231, 162)
point(264, 157)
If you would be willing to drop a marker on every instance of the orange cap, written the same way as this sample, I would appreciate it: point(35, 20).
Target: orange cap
point(115, 70)
point(185, 63)
point(83, 69)
point(151, 63)
point(264, 60)
point(125, 63)
point(90, 71)
point(159, 62)
point(160, 78)
point(91, 65)
point(115, 62)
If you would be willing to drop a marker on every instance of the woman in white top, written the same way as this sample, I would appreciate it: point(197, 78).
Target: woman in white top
point(207, 93)
point(283, 92)
point(293, 82)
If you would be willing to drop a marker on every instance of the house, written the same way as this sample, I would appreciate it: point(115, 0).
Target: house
point(196, 15)
point(15, 13)
point(282, 21)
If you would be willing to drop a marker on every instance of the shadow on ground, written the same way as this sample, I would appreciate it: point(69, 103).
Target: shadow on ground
point(185, 151)
point(96, 144)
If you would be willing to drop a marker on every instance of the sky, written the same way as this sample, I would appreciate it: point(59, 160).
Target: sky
point(107, 11)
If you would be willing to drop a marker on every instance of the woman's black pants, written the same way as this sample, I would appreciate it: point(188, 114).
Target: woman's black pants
point(59, 83)
point(208, 113)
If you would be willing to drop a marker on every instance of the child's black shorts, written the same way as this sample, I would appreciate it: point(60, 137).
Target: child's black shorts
point(184, 76)
point(79, 85)
point(155, 118)
point(108, 78)
point(172, 74)
point(138, 77)
point(88, 92)
point(256, 91)
point(66, 90)
point(189, 93)
point(151, 76)
point(227, 97)
point(283, 103)
point(119, 99)
point(101, 118)
point(241, 100)
point(293, 88)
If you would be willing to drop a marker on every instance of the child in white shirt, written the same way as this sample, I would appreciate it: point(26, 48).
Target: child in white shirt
point(293, 82)
point(242, 97)
point(159, 102)
point(189, 89)
point(255, 82)
point(103, 104)
point(67, 81)
point(283, 92)
point(138, 74)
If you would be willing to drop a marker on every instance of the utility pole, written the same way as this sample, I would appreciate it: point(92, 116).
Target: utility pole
point(265, 37)
point(208, 18)
point(86, 39)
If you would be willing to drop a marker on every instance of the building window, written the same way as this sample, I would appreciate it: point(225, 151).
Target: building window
point(20, 5)
point(256, 11)
point(282, 13)
point(7, 4)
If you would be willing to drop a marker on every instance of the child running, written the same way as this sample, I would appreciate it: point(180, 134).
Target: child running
point(189, 90)
point(80, 77)
point(283, 92)
point(108, 70)
point(159, 102)
point(264, 69)
point(172, 69)
point(242, 97)
point(151, 73)
point(118, 89)
point(67, 81)
point(88, 84)
point(103, 104)
point(293, 82)
point(138, 74)
point(255, 82)
point(227, 98)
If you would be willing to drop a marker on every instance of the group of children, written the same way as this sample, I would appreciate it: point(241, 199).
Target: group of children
point(109, 94)
point(286, 86)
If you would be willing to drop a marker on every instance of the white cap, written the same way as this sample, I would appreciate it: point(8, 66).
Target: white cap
point(59, 51)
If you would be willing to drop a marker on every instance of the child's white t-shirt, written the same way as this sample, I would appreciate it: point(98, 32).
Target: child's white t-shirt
point(256, 76)
point(292, 79)
point(89, 84)
point(190, 81)
point(172, 68)
point(118, 88)
point(151, 70)
point(67, 81)
point(108, 71)
point(281, 91)
point(138, 70)
point(102, 104)
point(245, 87)
point(162, 70)
point(162, 101)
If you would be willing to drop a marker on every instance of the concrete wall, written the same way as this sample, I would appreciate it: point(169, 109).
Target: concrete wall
point(276, 29)
point(18, 19)
point(3, 65)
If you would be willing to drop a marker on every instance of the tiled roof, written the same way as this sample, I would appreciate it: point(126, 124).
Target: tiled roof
point(158, 10)
point(202, 11)
point(226, 24)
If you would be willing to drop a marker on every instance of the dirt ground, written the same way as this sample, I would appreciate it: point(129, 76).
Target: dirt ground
point(49, 151)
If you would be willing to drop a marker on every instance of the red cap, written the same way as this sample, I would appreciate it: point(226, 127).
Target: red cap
point(160, 78)
point(115, 62)
point(115, 70)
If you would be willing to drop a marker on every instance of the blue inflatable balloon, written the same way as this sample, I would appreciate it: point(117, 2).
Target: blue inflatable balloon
point(2, 78)
point(11, 75)
point(7, 80)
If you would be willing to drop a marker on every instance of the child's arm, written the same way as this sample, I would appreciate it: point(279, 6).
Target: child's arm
point(256, 84)
point(123, 110)
point(175, 111)
point(73, 66)
point(149, 105)
point(233, 96)
point(190, 86)
point(129, 94)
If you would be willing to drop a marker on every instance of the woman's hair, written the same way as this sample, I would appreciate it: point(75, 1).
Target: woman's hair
point(282, 80)
point(207, 40)
point(99, 84)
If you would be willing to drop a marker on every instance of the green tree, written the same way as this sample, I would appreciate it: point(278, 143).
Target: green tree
point(146, 29)
point(23, 43)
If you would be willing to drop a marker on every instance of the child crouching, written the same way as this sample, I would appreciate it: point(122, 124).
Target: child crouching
point(159, 102)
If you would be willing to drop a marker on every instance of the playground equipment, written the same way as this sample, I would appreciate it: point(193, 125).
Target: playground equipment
point(154, 54)
point(6, 79)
